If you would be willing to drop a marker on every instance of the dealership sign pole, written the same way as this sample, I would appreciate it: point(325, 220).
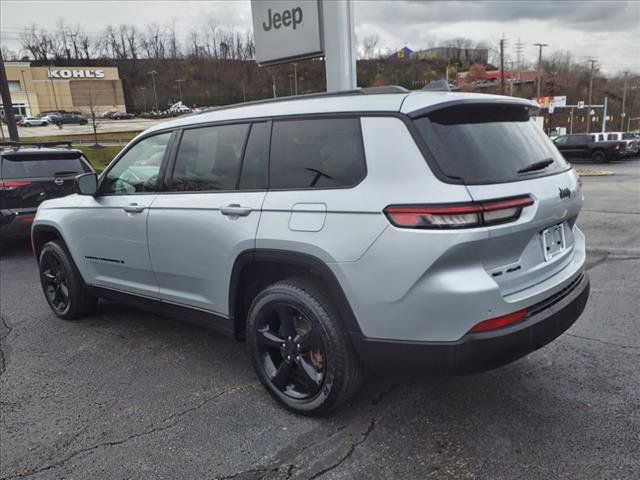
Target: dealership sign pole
point(290, 30)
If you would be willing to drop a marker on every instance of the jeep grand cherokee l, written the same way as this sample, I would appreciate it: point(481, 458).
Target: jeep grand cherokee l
point(434, 230)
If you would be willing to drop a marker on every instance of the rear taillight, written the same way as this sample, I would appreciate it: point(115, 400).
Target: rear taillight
point(457, 215)
point(499, 322)
point(27, 218)
point(12, 185)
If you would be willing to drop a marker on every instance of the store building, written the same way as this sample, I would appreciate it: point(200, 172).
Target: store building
point(38, 89)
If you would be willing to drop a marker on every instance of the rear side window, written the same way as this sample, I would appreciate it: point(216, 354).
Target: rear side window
point(483, 144)
point(209, 158)
point(39, 166)
point(316, 153)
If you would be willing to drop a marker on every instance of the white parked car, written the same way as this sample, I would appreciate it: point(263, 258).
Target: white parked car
point(34, 122)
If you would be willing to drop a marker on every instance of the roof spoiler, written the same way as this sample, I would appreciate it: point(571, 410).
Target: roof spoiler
point(18, 145)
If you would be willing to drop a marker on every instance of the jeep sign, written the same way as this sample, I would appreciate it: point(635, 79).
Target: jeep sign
point(55, 73)
point(286, 30)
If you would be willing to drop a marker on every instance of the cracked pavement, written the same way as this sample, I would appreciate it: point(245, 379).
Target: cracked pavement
point(126, 394)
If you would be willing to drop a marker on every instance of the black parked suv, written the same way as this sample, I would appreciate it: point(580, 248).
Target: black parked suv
point(584, 146)
point(69, 118)
point(30, 174)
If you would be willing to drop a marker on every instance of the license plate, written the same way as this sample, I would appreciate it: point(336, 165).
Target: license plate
point(553, 243)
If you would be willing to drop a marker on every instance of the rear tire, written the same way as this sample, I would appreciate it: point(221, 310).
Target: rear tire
point(299, 349)
point(598, 157)
point(62, 284)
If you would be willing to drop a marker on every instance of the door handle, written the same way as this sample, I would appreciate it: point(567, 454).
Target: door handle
point(235, 210)
point(133, 208)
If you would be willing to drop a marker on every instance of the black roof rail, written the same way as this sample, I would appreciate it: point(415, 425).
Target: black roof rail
point(306, 96)
point(437, 86)
point(384, 89)
point(18, 145)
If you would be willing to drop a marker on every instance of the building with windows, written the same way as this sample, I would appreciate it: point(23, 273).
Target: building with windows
point(37, 89)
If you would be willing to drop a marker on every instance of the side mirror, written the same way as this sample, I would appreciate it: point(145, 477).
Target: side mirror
point(87, 184)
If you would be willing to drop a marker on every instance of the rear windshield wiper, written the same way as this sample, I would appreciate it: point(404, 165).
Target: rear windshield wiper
point(542, 164)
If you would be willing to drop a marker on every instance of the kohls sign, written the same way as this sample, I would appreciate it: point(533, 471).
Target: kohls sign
point(76, 73)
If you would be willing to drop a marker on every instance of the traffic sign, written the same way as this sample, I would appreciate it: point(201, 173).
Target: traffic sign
point(581, 104)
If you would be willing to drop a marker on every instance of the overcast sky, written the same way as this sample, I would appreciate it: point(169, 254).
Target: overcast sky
point(608, 31)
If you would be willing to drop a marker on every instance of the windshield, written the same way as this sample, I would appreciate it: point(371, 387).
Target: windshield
point(489, 143)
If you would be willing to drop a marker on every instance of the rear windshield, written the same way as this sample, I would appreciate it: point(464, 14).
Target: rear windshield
point(482, 144)
point(33, 166)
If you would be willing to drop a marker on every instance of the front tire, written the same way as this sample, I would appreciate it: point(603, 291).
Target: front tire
point(62, 284)
point(299, 349)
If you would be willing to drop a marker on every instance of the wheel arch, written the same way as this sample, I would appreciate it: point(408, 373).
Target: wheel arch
point(255, 269)
point(43, 233)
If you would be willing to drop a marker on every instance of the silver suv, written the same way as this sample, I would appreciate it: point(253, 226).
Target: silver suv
point(334, 232)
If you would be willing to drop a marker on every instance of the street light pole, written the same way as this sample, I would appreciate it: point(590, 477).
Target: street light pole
point(624, 99)
point(590, 93)
point(179, 82)
point(153, 74)
point(295, 78)
point(540, 45)
point(26, 93)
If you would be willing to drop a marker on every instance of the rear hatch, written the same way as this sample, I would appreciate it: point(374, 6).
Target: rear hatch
point(29, 177)
point(498, 152)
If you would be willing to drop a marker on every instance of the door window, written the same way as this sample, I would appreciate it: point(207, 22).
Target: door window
point(137, 170)
point(209, 158)
point(316, 153)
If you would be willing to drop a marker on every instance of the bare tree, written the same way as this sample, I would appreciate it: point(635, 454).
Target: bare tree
point(369, 44)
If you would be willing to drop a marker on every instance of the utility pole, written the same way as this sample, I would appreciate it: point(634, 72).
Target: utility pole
point(540, 45)
point(502, 87)
point(590, 93)
point(7, 104)
point(179, 82)
point(604, 115)
point(153, 74)
point(295, 78)
point(624, 100)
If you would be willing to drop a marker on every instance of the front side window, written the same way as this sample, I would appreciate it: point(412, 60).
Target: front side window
point(209, 158)
point(137, 170)
point(316, 153)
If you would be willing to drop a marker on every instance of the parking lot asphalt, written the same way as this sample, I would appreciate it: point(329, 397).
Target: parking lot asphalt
point(103, 126)
point(126, 394)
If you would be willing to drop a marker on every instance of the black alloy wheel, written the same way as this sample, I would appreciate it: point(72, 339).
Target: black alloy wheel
point(299, 347)
point(290, 351)
point(62, 284)
point(55, 283)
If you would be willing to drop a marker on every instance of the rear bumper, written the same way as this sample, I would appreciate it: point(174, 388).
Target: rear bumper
point(16, 224)
point(481, 351)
